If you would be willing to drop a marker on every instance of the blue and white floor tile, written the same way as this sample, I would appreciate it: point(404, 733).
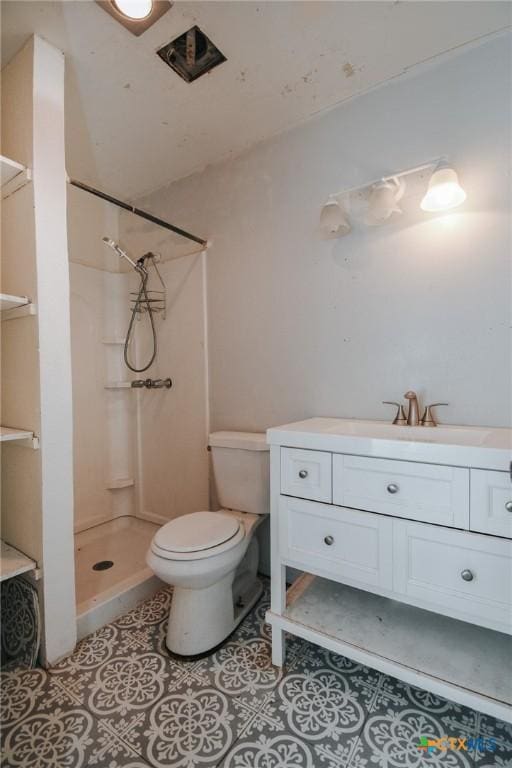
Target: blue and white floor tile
point(121, 701)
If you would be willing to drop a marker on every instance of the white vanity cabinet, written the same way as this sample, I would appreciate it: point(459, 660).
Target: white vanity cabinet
point(404, 540)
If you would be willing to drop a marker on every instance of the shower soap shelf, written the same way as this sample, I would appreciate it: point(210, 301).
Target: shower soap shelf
point(120, 482)
point(118, 385)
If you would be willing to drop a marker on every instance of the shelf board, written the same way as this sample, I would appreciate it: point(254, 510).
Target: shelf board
point(13, 562)
point(13, 175)
point(13, 307)
point(118, 385)
point(14, 314)
point(120, 482)
point(7, 301)
point(411, 643)
point(9, 434)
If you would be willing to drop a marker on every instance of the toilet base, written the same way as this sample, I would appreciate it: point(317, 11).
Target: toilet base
point(202, 619)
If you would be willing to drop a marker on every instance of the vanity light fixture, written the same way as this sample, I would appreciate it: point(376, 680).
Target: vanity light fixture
point(135, 15)
point(444, 190)
point(333, 220)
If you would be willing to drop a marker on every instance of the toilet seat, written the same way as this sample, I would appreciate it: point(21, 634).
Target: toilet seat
point(197, 535)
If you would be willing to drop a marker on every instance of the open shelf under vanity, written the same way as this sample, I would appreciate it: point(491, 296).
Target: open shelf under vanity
point(444, 655)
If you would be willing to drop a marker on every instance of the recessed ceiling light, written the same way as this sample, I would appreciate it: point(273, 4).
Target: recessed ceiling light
point(135, 15)
point(134, 9)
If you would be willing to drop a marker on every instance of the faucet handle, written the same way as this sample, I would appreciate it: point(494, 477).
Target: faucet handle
point(400, 415)
point(427, 420)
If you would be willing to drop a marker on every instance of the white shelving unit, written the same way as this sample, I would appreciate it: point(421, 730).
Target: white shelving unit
point(13, 175)
point(9, 434)
point(13, 562)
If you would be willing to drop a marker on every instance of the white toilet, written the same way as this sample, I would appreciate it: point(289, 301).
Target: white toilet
point(211, 558)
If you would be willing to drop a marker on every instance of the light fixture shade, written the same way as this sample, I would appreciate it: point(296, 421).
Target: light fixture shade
point(382, 202)
point(333, 220)
point(444, 191)
point(134, 9)
point(135, 15)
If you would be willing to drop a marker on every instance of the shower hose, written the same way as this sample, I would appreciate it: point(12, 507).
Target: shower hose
point(142, 298)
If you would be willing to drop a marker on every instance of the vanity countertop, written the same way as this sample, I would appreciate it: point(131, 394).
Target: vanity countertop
point(478, 447)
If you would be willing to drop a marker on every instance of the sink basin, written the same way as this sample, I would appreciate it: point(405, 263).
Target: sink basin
point(479, 447)
point(453, 445)
point(383, 431)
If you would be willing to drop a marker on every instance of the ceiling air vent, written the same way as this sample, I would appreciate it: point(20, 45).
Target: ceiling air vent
point(191, 55)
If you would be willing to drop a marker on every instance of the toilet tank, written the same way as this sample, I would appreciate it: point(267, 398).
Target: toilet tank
point(241, 468)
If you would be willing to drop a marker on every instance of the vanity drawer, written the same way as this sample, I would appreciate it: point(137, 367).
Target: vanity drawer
point(307, 474)
point(427, 492)
point(351, 546)
point(491, 502)
point(462, 574)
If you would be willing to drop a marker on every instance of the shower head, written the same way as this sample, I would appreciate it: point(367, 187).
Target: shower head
point(115, 247)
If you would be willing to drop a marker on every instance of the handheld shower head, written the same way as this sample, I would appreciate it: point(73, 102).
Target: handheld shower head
point(115, 247)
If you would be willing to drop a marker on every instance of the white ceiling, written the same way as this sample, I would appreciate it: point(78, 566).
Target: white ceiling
point(134, 125)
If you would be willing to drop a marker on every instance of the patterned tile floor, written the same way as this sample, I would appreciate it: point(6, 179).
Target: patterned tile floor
point(121, 702)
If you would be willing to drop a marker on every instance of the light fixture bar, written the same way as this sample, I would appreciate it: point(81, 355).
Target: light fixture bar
point(391, 177)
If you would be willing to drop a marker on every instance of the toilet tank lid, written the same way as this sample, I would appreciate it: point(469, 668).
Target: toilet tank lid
point(247, 441)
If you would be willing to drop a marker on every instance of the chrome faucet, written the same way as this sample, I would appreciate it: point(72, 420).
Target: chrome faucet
point(413, 414)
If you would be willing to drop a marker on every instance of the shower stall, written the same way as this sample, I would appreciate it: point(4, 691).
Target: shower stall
point(138, 334)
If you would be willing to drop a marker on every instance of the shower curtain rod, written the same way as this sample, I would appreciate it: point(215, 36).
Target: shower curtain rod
point(137, 211)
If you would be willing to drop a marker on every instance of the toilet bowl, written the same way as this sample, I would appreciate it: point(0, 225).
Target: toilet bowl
point(211, 557)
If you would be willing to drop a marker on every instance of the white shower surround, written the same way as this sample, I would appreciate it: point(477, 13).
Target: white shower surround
point(153, 440)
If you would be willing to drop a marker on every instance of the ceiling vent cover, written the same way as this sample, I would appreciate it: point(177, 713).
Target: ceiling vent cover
point(191, 55)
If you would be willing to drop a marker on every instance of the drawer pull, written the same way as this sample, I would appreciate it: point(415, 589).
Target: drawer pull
point(329, 540)
point(508, 506)
point(393, 488)
point(467, 575)
point(303, 473)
